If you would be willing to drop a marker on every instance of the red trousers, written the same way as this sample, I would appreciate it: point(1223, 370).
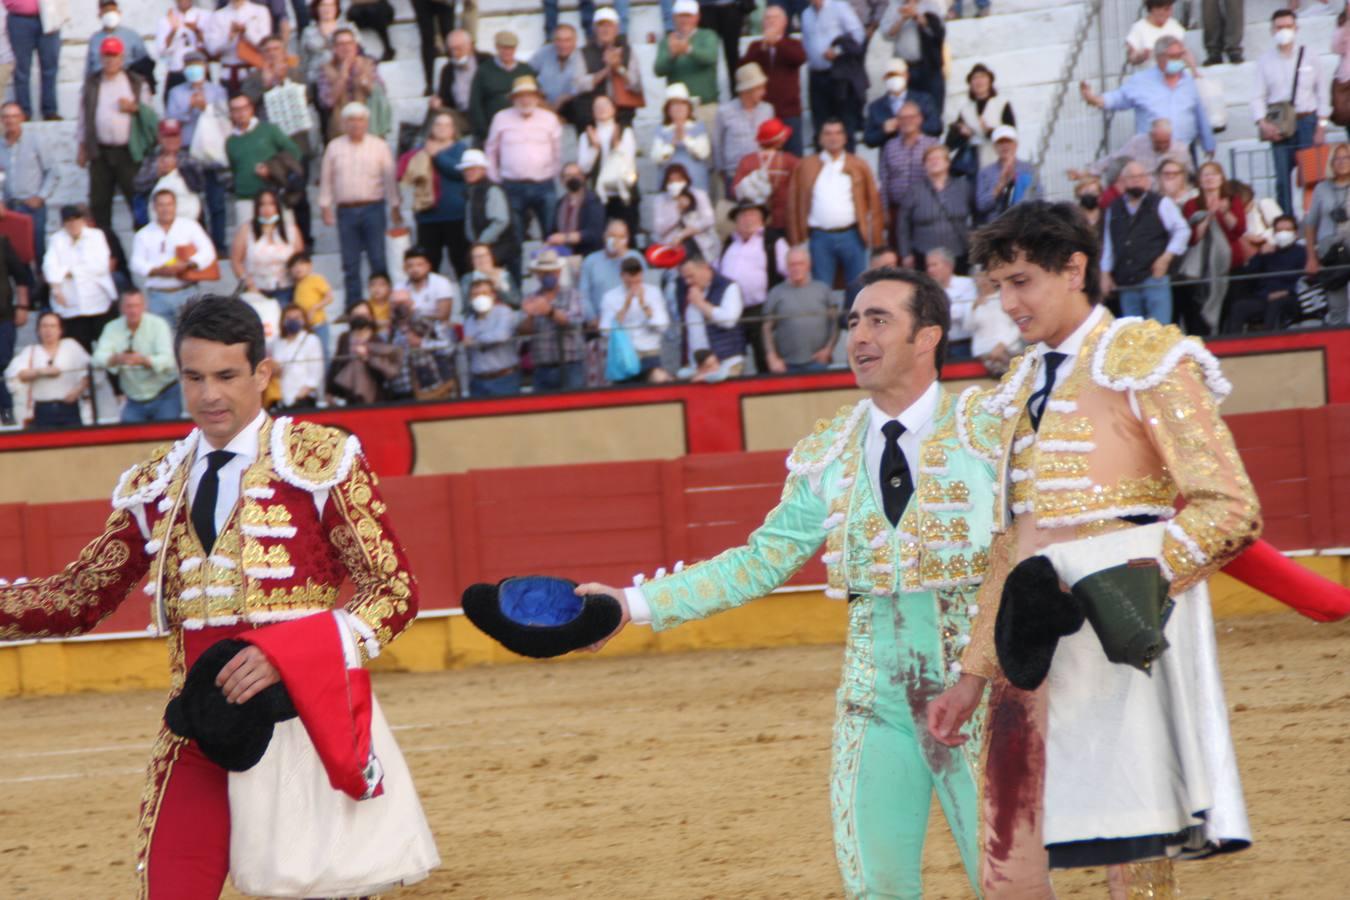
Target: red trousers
point(185, 819)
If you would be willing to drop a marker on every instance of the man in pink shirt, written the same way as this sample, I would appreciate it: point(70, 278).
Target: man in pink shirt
point(524, 151)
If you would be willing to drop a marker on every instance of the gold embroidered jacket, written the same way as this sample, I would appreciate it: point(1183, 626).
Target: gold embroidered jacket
point(309, 514)
point(1133, 430)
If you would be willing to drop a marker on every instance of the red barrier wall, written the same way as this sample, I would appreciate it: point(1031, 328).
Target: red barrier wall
point(606, 522)
point(712, 412)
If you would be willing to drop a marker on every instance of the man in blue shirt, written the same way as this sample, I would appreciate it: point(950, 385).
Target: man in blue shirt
point(1165, 91)
point(1005, 182)
point(111, 19)
point(600, 270)
point(559, 68)
point(824, 22)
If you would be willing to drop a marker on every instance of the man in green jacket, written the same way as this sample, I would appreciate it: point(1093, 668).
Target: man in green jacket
point(492, 83)
point(688, 56)
point(894, 489)
point(250, 145)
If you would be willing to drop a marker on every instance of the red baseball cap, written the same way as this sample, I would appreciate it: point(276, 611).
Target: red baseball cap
point(111, 46)
point(170, 126)
point(773, 131)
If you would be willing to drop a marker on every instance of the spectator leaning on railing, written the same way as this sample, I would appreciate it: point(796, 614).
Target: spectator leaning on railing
point(801, 322)
point(47, 378)
point(553, 318)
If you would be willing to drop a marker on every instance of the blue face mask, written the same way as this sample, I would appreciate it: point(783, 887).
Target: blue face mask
point(548, 282)
point(1175, 66)
point(194, 74)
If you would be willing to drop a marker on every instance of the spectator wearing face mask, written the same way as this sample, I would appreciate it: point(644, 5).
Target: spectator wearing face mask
point(301, 360)
point(1161, 91)
point(110, 22)
point(185, 104)
point(600, 271)
point(454, 90)
point(578, 217)
point(1289, 72)
point(1273, 300)
point(490, 337)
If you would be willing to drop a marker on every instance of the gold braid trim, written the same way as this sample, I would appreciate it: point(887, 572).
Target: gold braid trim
point(162, 758)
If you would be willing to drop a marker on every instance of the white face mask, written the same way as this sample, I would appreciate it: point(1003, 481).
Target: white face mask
point(896, 84)
point(675, 187)
point(612, 245)
point(481, 303)
point(1284, 37)
point(1284, 239)
point(111, 20)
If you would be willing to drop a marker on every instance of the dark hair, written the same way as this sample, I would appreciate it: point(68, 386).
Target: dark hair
point(1048, 234)
point(222, 320)
point(631, 265)
point(982, 69)
point(1283, 13)
point(1158, 4)
point(1284, 217)
point(929, 304)
point(701, 355)
point(51, 312)
point(674, 169)
point(302, 256)
point(417, 251)
point(161, 192)
point(73, 211)
point(281, 214)
point(834, 120)
point(270, 39)
point(382, 276)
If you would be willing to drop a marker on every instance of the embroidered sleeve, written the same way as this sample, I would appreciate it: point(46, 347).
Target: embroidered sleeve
point(791, 533)
point(84, 593)
point(980, 657)
point(980, 431)
point(1221, 515)
point(356, 521)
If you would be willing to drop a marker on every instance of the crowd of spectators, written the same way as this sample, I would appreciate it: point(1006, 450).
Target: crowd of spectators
point(506, 245)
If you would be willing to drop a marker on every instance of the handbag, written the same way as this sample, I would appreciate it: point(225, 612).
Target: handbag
point(1282, 114)
point(1340, 103)
point(210, 273)
point(293, 835)
point(621, 361)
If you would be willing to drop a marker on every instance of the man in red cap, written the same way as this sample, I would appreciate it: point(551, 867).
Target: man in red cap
point(108, 107)
point(762, 177)
point(241, 530)
point(174, 168)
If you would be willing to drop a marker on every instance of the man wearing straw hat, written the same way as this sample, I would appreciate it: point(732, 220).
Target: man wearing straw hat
point(524, 153)
point(734, 136)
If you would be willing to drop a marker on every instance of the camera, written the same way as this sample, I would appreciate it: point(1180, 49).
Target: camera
point(1339, 215)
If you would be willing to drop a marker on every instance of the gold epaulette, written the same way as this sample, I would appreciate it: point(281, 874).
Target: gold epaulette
point(1137, 354)
point(826, 440)
point(310, 456)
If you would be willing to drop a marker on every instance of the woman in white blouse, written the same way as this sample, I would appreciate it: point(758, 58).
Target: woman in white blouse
point(297, 353)
point(263, 246)
point(48, 378)
point(78, 267)
point(607, 153)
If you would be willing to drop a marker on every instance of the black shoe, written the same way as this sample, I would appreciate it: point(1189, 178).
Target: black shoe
point(1235, 58)
point(1214, 59)
point(6, 417)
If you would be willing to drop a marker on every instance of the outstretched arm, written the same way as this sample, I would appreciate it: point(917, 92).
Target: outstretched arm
point(84, 593)
point(791, 533)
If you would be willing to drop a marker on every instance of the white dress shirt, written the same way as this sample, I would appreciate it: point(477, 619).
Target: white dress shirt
point(83, 270)
point(832, 196)
point(244, 446)
point(645, 329)
point(918, 422)
point(426, 300)
point(153, 247)
point(1071, 347)
point(257, 22)
point(1275, 83)
point(172, 44)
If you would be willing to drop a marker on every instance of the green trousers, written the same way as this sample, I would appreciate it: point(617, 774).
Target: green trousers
point(885, 765)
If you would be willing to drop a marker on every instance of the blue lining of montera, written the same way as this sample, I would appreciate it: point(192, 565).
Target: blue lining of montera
point(539, 600)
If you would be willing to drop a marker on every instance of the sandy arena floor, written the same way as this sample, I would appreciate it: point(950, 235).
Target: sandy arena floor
point(700, 775)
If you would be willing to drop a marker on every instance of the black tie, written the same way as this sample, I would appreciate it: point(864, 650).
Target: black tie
point(897, 485)
point(1036, 403)
point(204, 504)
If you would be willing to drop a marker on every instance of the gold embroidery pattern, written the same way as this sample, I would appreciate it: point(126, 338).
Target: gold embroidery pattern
point(86, 591)
point(314, 451)
point(384, 586)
